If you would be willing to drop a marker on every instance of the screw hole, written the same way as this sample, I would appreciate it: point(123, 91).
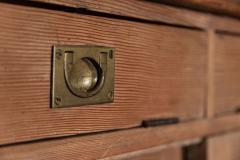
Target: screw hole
point(59, 54)
point(110, 95)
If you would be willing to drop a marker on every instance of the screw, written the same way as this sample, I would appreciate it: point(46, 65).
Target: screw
point(58, 100)
point(110, 95)
point(111, 54)
point(59, 54)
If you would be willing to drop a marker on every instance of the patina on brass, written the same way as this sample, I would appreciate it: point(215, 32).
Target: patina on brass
point(82, 75)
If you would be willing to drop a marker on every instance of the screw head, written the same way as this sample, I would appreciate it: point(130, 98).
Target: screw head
point(59, 54)
point(110, 54)
point(110, 95)
point(58, 100)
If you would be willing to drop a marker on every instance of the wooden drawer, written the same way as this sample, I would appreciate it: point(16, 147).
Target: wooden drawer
point(224, 147)
point(160, 72)
point(226, 73)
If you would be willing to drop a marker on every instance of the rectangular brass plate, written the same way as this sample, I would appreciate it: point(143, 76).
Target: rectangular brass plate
point(62, 95)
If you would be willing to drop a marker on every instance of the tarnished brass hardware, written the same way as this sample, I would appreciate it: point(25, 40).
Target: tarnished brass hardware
point(82, 75)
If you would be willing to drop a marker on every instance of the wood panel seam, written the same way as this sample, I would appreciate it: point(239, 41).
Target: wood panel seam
point(124, 141)
point(86, 11)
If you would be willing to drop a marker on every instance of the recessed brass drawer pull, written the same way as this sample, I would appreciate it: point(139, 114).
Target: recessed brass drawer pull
point(82, 75)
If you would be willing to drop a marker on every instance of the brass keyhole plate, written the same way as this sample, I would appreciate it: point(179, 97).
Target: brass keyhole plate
point(82, 75)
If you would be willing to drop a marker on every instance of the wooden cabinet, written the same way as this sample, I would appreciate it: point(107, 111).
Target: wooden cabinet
point(176, 69)
point(157, 69)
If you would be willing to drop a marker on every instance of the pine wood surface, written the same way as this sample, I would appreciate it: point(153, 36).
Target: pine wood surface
point(157, 69)
point(224, 147)
point(152, 11)
point(226, 73)
point(229, 7)
point(172, 153)
point(111, 144)
point(163, 150)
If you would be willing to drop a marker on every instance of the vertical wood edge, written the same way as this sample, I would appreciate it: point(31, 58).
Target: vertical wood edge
point(210, 72)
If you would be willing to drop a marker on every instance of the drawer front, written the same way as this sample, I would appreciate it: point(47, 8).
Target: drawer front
point(174, 153)
point(224, 147)
point(159, 72)
point(226, 74)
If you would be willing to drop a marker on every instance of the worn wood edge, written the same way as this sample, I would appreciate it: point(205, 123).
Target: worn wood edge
point(152, 11)
point(223, 135)
point(155, 149)
point(210, 74)
point(110, 144)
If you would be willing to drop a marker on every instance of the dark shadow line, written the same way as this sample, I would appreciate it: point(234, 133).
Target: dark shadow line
point(86, 11)
point(230, 33)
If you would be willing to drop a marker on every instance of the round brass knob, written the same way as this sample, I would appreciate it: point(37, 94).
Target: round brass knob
point(85, 77)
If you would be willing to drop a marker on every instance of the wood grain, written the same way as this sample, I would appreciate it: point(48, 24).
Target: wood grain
point(151, 11)
point(224, 147)
point(157, 69)
point(229, 7)
point(157, 150)
point(120, 142)
point(226, 74)
point(137, 9)
point(165, 154)
point(211, 83)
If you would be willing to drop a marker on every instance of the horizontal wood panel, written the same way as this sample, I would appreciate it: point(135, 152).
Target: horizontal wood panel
point(224, 147)
point(138, 9)
point(158, 68)
point(120, 142)
point(226, 73)
point(229, 7)
point(173, 153)
point(152, 11)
